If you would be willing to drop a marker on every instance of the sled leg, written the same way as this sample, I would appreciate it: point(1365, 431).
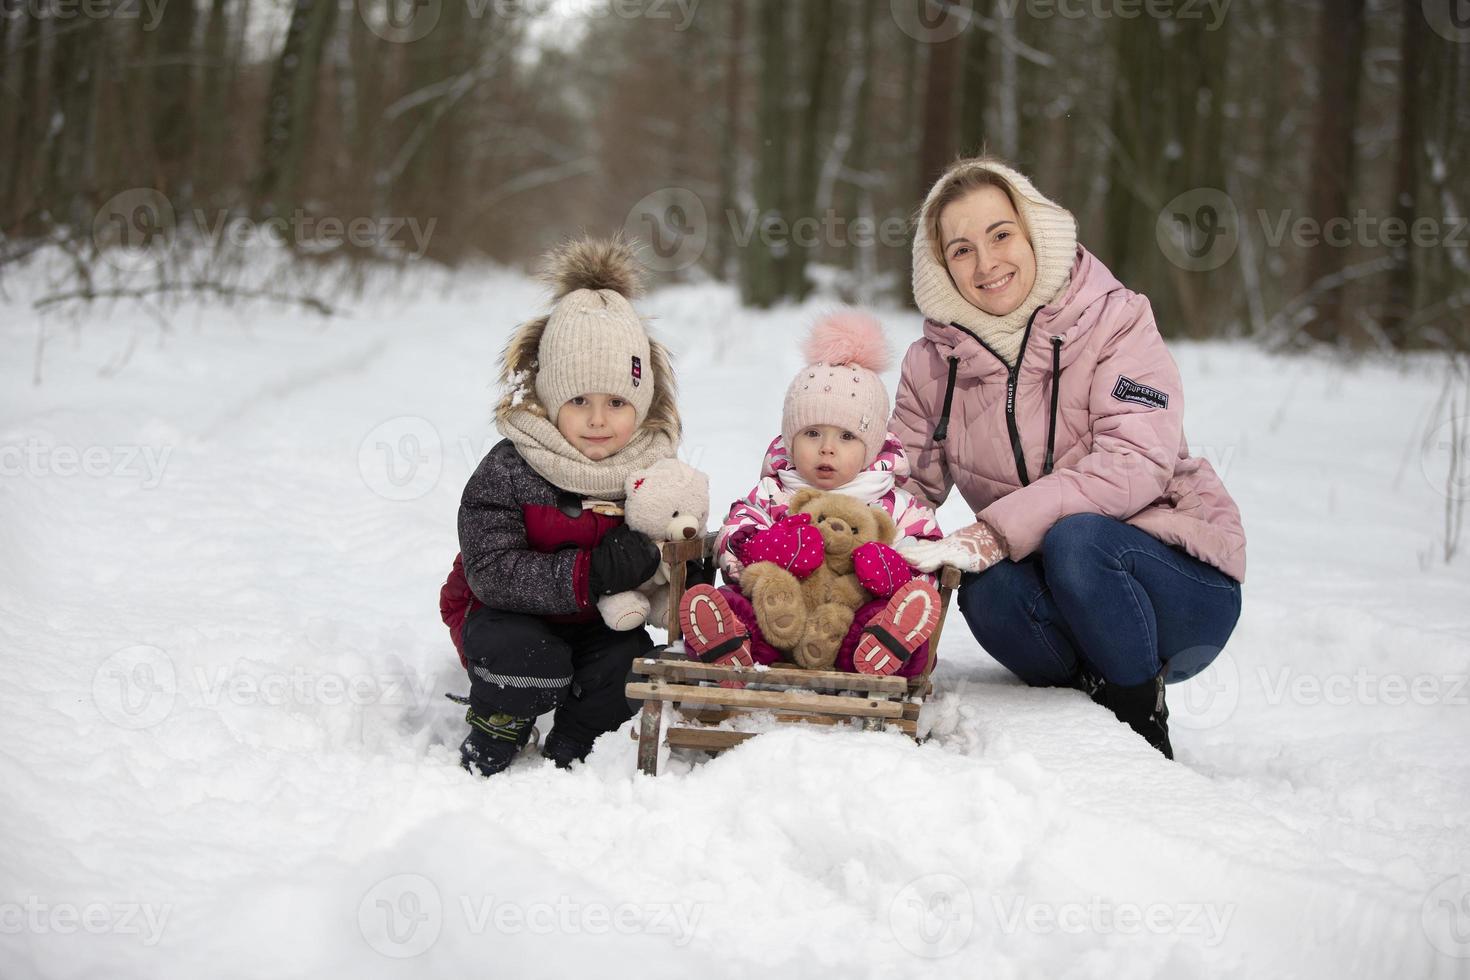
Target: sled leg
point(649, 733)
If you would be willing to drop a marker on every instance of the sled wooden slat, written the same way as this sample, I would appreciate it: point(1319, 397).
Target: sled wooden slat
point(834, 680)
point(713, 716)
point(688, 691)
point(825, 704)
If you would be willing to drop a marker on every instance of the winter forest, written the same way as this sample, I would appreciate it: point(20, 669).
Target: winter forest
point(345, 339)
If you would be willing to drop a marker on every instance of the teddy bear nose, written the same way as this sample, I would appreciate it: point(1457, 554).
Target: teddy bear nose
point(689, 532)
point(839, 526)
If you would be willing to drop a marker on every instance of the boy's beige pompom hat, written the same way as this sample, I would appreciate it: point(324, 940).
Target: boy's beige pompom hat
point(594, 341)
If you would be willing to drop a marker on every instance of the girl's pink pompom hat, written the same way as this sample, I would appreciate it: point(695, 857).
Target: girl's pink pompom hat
point(840, 386)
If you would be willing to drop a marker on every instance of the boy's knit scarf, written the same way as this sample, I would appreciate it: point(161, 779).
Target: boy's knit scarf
point(549, 453)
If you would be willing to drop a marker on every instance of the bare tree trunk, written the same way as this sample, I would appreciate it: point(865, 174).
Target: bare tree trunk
point(291, 105)
point(936, 144)
point(763, 254)
point(730, 142)
point(816, 38)
point(1399, 306)
point(1339, 68)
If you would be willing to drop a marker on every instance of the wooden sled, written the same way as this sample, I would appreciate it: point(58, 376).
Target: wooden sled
point(691, 694)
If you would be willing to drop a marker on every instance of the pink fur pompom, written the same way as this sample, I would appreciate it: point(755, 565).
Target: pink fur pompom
point(848, 337)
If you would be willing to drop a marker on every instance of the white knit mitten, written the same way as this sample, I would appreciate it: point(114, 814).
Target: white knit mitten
point(970, 549)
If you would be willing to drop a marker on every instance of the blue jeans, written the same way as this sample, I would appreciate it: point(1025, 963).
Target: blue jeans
point(1104, 596)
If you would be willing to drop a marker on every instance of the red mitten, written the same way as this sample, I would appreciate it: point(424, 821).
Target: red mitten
point(792, 542)
point(880, 569)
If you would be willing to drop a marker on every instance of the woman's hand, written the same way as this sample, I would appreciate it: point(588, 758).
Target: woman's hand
point(970, 549)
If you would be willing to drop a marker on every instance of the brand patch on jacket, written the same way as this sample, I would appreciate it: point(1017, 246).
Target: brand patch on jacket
point(1128, 390)
point(637, 370)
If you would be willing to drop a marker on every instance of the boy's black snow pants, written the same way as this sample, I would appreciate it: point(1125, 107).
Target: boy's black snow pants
point(526, 666)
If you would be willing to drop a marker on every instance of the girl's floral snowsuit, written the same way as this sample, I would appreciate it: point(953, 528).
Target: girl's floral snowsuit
point(767, 503)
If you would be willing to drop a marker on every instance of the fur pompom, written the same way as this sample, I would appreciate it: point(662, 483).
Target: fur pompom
point(848, 337)
point(593, 263)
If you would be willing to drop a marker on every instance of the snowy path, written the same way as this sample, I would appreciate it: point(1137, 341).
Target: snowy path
point(224, 749)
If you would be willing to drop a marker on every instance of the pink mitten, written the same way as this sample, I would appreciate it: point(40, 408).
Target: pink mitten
point(792, 542)
point(880, 569)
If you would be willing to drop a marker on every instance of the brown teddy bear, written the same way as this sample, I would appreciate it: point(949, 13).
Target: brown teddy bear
point(809, 617)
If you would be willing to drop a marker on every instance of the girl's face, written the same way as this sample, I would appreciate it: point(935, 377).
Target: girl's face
point(597, 425)
point(827, 456)
point(988, 257)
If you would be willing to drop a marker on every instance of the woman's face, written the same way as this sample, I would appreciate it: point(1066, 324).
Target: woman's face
point(987, 256)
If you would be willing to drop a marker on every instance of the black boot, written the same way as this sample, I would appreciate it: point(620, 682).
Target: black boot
point(1140, 706)
point(493, 742)
point(563, 749)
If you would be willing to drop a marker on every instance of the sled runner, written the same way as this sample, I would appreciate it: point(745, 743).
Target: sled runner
point(696, 696)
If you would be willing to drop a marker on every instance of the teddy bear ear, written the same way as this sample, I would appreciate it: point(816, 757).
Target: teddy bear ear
point(802, 498)
point(634, 483)
point(887, 530)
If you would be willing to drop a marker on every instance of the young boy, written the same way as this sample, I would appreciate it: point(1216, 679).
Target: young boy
point(590, 398)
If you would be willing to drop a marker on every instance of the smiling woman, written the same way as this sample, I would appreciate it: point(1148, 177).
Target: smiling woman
point(1104, 557)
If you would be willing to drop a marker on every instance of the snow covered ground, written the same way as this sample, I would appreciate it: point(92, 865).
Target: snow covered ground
point(224, 749)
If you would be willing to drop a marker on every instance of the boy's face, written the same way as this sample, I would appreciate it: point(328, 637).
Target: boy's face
point(597, 425)
point(827, 456)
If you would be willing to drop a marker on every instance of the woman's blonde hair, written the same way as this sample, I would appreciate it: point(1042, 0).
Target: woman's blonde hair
point(963, 177)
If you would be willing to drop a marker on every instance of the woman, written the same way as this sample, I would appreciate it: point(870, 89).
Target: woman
point(1103, 555)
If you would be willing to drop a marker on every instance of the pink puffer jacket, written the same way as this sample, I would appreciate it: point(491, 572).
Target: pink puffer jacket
point(1107, 439)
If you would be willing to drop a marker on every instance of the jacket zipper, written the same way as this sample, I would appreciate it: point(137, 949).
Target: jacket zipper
point(1012, 373)
point(1056, 383)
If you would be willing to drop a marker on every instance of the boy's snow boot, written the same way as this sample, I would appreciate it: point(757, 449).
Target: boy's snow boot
point(493, 742)
point(563, 749)
point(1140, 706)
